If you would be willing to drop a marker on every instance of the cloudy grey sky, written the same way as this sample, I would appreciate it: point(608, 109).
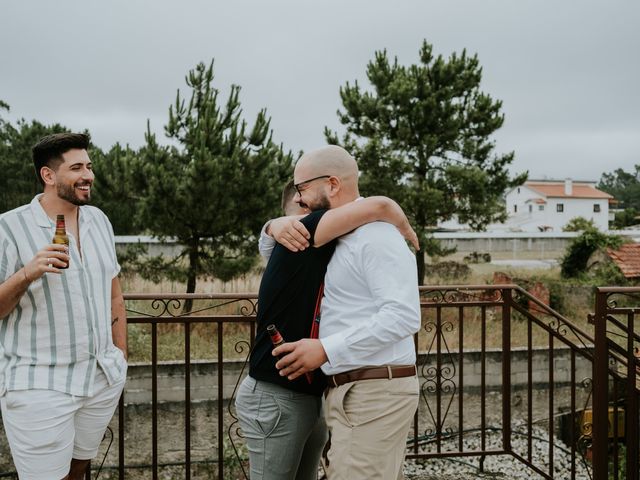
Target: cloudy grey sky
point(568, 72)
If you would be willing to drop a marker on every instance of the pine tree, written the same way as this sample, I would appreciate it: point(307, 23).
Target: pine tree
point(18, 182)
point(214, 186)
point(422, 135)
point(115, 188)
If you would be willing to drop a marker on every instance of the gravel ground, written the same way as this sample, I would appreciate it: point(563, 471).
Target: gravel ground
point(503, 466)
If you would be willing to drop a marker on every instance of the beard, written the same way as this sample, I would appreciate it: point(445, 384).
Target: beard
point(68, 193)
point(320, 203)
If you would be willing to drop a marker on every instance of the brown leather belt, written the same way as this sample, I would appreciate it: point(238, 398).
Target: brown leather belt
point(372, 373)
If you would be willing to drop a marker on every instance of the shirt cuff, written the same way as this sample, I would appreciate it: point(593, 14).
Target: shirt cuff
point(333, 346)
point(266, 242)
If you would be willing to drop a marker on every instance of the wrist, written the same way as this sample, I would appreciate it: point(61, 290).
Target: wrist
point(26, 277)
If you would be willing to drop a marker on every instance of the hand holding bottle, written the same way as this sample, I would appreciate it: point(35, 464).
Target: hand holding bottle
point(51, 258)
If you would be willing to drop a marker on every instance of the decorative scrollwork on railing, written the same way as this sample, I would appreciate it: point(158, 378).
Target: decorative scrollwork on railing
point(248, 310)
point(583, 447)
point(168, 307)
point(612, 302)
point(438, 376)
point(160, 307)
point(174, 307)
point(550, 320)
point(449, 388)
point(585, 439)
point(559, 326)
point(234, 430)
point(448, 296)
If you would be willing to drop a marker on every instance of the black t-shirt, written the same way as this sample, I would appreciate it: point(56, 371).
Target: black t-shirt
point(287, 298)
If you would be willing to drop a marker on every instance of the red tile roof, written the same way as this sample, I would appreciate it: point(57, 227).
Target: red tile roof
point(627, 258)
point(580, 190)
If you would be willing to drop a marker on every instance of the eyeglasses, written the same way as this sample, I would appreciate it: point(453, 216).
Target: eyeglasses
point(298, 185)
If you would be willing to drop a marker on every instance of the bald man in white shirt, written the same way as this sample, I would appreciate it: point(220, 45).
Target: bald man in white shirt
point(370, 312)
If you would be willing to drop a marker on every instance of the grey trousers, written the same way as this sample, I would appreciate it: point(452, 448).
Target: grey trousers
point(285, 431)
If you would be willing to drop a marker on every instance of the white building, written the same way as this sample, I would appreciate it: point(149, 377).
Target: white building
point(548, 205)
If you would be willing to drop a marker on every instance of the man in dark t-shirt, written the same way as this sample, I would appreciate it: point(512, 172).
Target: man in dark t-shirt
point(288, 291)
point(282, 420)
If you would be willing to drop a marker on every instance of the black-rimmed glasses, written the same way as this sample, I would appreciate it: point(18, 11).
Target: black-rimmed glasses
point(297, 185)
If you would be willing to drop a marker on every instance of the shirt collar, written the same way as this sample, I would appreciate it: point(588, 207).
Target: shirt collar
point(43, 220)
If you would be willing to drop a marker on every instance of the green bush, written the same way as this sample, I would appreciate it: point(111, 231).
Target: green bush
point(579, 224)
point(574, 262)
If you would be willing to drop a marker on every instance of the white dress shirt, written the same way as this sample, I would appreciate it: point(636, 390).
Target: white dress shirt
point(371, 304)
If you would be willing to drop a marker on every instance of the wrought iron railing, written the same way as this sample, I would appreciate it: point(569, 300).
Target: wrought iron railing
point(616, 382)
point(495, 313)
point(498, 369)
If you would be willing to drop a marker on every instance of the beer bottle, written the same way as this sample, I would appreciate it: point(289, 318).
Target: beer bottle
point(61, 237)
point(276, 338)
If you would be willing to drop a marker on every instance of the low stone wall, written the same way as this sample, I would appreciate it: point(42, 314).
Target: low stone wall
point(204, 375)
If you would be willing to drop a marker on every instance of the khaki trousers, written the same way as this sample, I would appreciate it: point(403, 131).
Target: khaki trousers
point(368, 422)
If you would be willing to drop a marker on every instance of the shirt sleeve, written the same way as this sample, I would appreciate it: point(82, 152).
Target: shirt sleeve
point(311, 223)
point(9, 261)
point(112, 243)
point(266, 243)
point(390, 272)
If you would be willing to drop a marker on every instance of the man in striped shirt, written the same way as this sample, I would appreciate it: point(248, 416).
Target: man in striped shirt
point(62, 319)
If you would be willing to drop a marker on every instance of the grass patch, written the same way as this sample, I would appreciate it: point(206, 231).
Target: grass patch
point(574, 301)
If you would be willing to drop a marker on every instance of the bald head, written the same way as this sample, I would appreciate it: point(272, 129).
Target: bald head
point(337, 167)
point(330, 160)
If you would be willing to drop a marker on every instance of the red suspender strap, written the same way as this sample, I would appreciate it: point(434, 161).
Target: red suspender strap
point(315, 323)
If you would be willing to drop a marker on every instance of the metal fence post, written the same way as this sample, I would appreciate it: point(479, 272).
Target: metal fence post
point(600, 420)
point(506, 369)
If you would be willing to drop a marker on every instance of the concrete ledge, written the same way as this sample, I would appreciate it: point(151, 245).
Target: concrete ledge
point(204, 374)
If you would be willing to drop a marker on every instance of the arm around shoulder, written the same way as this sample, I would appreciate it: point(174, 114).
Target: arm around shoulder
point(342, 220)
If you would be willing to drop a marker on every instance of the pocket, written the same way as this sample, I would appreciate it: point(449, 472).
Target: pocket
point(259, 413)
point(345, 404)
point(269, 414)
point(14, 399)
point(8, 400)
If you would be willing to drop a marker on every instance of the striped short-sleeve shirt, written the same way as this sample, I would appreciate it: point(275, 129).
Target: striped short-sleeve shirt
point(60, 331)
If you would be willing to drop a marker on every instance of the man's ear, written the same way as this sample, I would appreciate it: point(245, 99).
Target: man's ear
point(335, 184)
point(48, 175)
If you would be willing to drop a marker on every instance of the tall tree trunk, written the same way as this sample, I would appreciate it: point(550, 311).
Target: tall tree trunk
point(192, 275)
point(420, 264)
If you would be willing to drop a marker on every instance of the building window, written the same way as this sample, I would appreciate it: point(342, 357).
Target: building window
point(530, 208)
point(596, 207)
point(518, 189)
point(515, 209)
point(560, 207)
point(541, 208)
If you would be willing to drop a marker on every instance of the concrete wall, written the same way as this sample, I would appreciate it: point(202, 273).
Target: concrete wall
point(492, 242)
point(515, 243)
point(204, 376)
